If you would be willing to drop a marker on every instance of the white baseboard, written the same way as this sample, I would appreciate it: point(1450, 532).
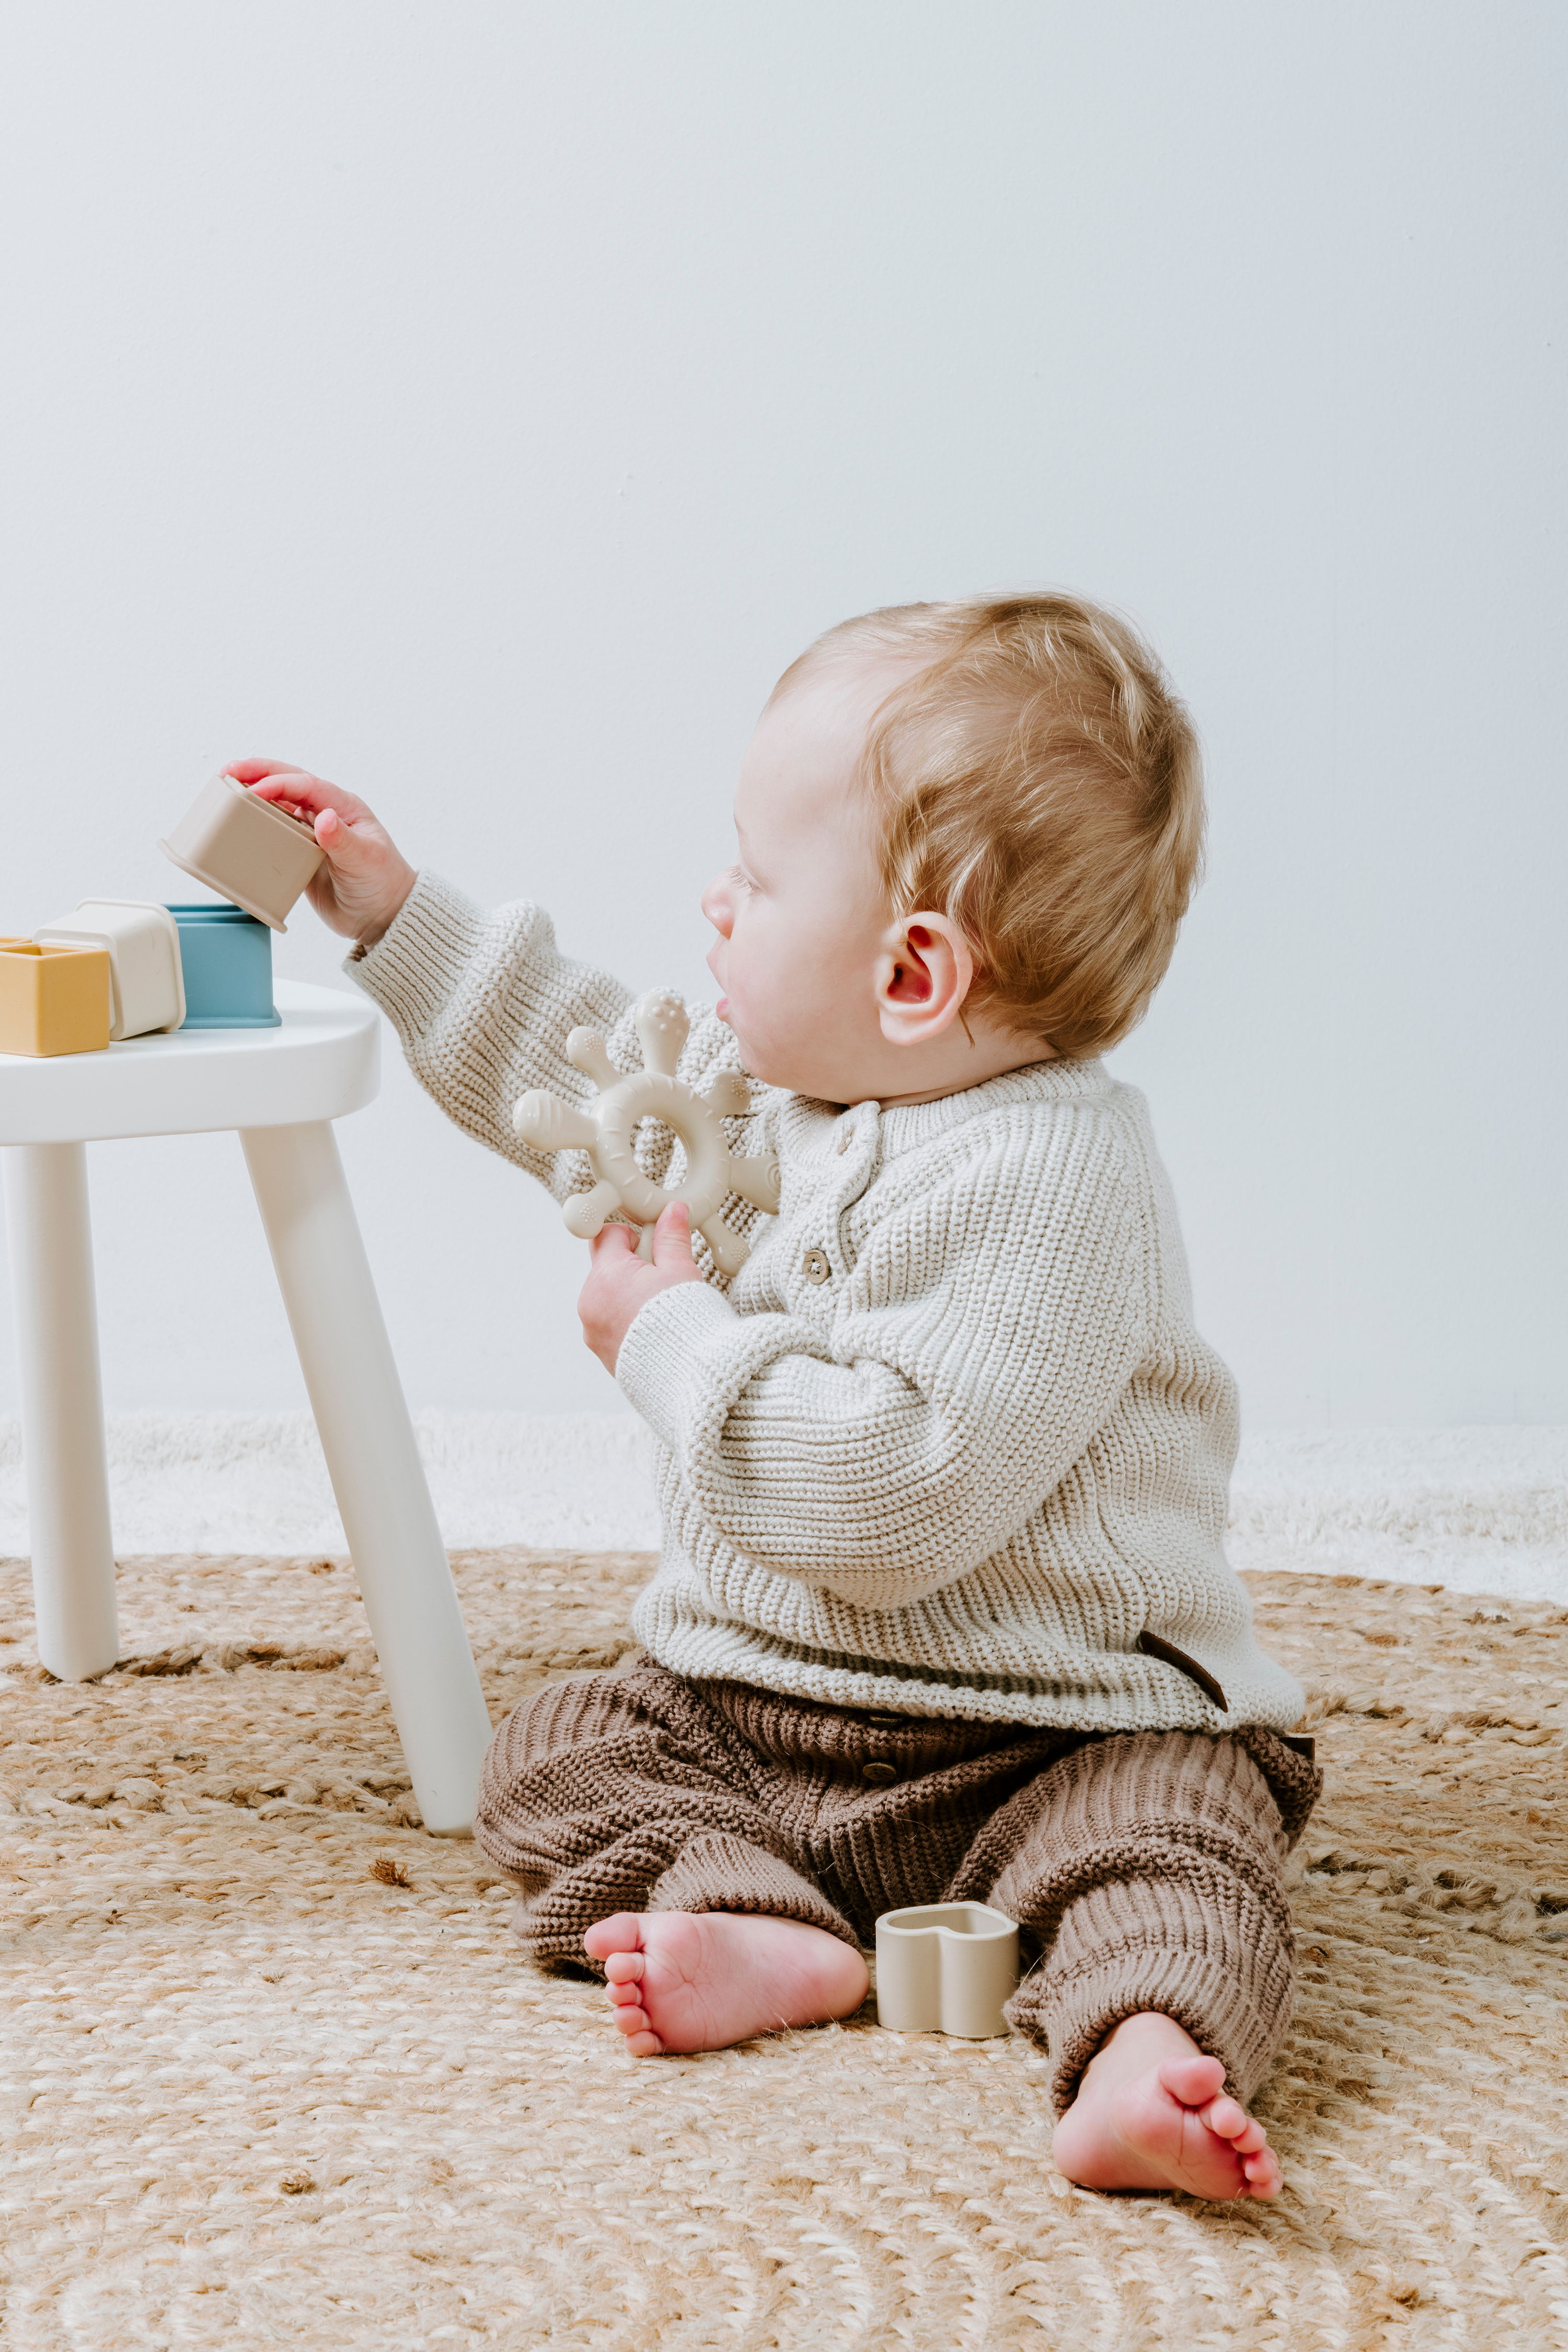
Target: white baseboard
point(1483, 1510)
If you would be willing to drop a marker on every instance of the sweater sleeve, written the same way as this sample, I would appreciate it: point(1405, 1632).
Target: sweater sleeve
point(987, 1329)
point(483, 1002)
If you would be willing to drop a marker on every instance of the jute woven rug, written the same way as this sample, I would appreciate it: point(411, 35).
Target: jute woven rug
point(273, 2072)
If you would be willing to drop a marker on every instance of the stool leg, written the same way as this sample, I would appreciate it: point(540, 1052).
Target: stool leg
point(62, 1408)
point(376, 1474)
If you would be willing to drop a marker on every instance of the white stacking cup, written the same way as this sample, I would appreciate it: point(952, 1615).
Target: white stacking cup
point(146, 981)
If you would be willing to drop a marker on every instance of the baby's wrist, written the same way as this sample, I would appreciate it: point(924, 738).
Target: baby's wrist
point(375, 925)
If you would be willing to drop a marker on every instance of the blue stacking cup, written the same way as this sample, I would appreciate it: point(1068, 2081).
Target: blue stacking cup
point(226, 957)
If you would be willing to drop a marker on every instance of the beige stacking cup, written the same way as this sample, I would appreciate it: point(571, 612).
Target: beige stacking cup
point(946, 1967)
point(246, 849)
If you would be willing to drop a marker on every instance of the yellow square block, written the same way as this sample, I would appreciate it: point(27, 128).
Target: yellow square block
point(54, 1000)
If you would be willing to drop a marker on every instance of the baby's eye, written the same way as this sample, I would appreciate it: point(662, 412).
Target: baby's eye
point(739, 876)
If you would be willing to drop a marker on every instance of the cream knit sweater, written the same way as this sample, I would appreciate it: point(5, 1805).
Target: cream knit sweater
point(949, 1444)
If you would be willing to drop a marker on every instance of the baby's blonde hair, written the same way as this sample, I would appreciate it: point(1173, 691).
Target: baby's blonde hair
point(1038, 781)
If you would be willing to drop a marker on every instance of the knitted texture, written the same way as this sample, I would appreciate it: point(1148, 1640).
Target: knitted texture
point(949, 1443)
point(1149, 1868)
point(1144, 1870)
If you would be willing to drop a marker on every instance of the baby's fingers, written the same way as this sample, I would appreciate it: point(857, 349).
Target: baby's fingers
point(352, 848)
point(252, 771)
point(612, 1241)
point(672, 1238)
point(277, 780)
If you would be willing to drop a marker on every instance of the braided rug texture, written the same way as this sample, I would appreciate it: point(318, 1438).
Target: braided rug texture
point(273, 2072)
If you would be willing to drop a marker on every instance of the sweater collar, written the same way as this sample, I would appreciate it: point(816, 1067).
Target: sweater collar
point(906, 1126)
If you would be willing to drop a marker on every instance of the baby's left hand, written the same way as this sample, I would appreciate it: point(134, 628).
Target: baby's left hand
point(619, 1282)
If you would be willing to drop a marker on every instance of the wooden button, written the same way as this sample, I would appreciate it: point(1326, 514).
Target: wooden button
point(881, 1773)
point(814, 1266)
point(845, 1138)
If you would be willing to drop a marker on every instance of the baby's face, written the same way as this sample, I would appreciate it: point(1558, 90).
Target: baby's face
point(801, 917)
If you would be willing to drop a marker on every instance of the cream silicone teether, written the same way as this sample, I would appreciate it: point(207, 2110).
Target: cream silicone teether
point(606, 1132)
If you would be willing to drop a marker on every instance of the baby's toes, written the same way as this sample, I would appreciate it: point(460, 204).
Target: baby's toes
point(624, 1967)
point(1264, 2178)
point(642, 2041)
point(619, 1993)
point(618, 1937)
point(1194, 2081)
point(1229, 2120)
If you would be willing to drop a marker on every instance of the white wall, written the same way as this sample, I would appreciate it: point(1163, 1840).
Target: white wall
point(481, 403)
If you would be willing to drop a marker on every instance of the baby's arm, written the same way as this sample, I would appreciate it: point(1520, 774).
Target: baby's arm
point(983, 1336)
point(482, 1001)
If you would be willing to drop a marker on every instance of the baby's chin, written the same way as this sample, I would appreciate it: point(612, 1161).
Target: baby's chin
point(796, 1073)
point(787, 1063)
point(759, 1055)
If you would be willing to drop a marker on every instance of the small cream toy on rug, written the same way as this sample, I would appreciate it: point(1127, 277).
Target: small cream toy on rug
point(944, 1616)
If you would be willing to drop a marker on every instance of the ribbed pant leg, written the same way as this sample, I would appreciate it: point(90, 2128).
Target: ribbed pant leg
point(610, 1793)
point(1147, 1867)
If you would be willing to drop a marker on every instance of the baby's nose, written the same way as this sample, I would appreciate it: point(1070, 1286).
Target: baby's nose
point(716, 905)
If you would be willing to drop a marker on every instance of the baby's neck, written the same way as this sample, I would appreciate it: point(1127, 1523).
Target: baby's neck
point(988, 1054)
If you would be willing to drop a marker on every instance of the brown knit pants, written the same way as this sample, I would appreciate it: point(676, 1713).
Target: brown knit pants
point(1143, 1868)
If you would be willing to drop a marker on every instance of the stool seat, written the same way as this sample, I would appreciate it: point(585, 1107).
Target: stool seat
point(280, 1088)
point(324, 1062)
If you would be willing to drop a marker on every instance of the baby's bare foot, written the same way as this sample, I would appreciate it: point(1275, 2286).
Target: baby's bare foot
point(699, 1980)
point(1149, 2113)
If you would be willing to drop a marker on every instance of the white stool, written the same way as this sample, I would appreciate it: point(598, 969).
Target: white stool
point(279, 1088)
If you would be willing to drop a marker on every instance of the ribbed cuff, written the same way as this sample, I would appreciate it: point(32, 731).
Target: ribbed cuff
point(411, 969)
point(1212, 1960)
point(687, 1357)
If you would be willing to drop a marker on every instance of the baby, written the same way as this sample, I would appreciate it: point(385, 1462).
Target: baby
point(942, 1611)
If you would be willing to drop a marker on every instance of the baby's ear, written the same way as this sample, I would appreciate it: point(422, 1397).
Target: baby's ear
point(912, 980)
point(924, 971)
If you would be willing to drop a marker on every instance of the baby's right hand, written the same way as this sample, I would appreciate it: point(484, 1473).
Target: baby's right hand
point(363, 879)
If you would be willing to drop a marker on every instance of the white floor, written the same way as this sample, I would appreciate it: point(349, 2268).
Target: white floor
point(1484, 1510)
